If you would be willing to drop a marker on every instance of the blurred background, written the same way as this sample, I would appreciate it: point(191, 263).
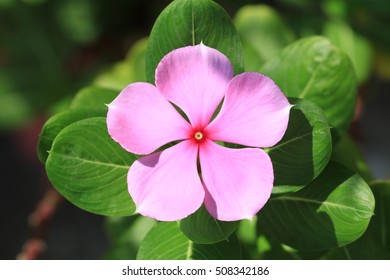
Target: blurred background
point(50, 49)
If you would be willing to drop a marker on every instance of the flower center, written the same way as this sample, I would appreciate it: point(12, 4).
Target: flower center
point(198, 135)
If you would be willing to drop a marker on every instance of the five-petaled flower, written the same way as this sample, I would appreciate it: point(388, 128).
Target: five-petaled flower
point(171, 184)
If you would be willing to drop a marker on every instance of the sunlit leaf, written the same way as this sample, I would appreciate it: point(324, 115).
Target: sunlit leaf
point(356, 46)
point(94, 97)
point(167, 242)
point(304, 150)
point(375, 243)
point(57, 123)
point(190, 22)
point(314, 69)
point(201, 227)
point(89, 169)
point(332, 211)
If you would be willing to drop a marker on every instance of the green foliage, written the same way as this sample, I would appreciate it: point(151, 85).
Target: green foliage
point(314, 69)
point(375, 243)
point(201, 227)
point(89, 169)
point(57, 123)
point(190, 22)
point(89, 102)
point(356, 46)
point(166, 242)
point(94, 97)
point(126, 235)
point(332, 211)
point(304, 150)
point(263, 34)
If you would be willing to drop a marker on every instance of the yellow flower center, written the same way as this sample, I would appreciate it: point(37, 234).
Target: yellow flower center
point(198, 135)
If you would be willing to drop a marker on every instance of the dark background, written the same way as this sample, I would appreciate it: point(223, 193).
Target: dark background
point(50, 49)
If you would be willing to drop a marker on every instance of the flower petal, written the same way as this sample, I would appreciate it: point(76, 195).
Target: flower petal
point(195, 79)
point(141, 120)
point(255, 112)
point(238, 182)
point(166, 185)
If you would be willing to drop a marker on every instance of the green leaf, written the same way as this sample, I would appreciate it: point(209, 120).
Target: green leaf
point(89, 169)
point(166, 242)
point(330, 212)
point(190, 22)
point(126, 234)
point(357, 47)
point(304, 150)
point(314, 69)
point(57, 123)
point(263, 34)
point(375, 243)
point(94, 97)
point(201, 227)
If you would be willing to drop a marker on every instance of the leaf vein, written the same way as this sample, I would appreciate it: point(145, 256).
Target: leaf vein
point(83, 160)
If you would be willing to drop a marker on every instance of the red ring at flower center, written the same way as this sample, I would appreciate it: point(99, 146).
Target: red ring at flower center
point(198, 135)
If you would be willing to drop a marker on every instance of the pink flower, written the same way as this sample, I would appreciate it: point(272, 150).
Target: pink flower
point(169, 185)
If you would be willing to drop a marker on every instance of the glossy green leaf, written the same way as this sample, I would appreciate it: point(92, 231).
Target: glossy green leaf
point(130, 70)
point(126, 235)
point(190, 22)
point(167, 242)
point(57, 123)
point(304, 150)
point(201, 227)
point(89, 169)
point(94, 97)
point(375, 243)
point(314, 69)
point(263, 34)
point(356, 46)
point(332, 211)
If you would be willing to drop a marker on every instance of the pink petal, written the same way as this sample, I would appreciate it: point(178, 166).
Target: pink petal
point(238, 182)
point(255, 112)
point(141, 120)
point(166, 185)
point(195, 79)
